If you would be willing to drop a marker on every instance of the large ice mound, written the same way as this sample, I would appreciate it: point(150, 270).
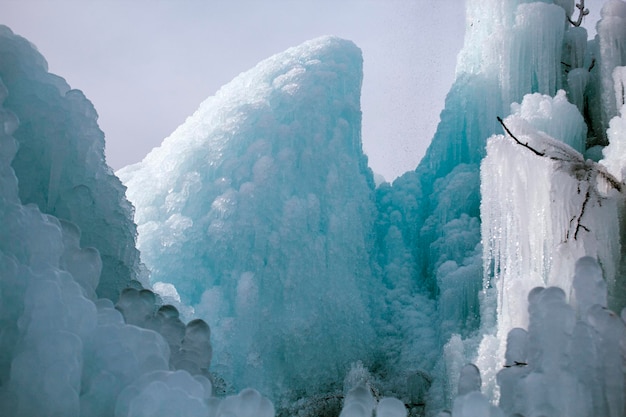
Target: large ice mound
point(65, 349)
point(259, 209)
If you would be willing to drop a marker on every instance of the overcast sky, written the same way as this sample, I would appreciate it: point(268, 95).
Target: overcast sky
point(147, 64)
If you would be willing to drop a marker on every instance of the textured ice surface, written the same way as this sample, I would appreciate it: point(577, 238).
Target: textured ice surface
point(259, 210)
point(541, 111)
point(390, 407)
point(62, 351)
point(60, 161)
point(470, 401)
point(521, 52)
point(588, 286)
point(511, 49)
point(615, 153)
point(543, 207)
point(611, 40)
point(567, 369)
point(260, 214)
point(605, 53)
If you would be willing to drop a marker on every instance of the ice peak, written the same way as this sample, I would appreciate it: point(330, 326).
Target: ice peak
point(241, 206)
point(321, 75)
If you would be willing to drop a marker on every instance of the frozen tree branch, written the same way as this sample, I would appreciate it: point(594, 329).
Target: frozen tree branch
point(582, 12)
point(613, 182)
point(576, 165)
point(582, 213)
point(525, 145)
point(593, 64)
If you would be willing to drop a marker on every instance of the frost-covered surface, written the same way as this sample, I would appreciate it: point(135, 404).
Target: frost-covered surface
point(543, 207)
point(568, 361)
point(259, 209)
point(615, 152)
point(63, 351)
point(328, 295)
point(60, 161)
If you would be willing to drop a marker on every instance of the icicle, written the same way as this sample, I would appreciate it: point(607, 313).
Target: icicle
point(619, 84)
point(612, 53)
point(535, 51)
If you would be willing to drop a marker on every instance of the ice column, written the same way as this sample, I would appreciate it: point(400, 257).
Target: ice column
point(543, 206)
point(611, 40)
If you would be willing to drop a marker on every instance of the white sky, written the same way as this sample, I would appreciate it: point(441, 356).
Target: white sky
point(147, 64)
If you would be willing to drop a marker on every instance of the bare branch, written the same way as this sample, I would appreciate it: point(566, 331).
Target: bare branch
point(593, 64)
point(613, 182)
point(525, 145)
point(582, 12)
point(591, 170)
point(587, 172)
point(582, 213)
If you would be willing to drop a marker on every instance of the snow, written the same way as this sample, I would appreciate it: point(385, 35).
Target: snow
point(614, 153)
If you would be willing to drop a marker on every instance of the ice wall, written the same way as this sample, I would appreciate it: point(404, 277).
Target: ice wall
point(60, 161)
point(570, 359)
point(543, 207)
point(64, 350)
point(259, 209)
point(512, 48)
point(259, 214)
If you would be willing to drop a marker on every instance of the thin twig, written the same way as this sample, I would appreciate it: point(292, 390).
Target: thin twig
point(611, 180)
point(525, 145)
point(582, 12)
point(582, 213)
point(593, 64)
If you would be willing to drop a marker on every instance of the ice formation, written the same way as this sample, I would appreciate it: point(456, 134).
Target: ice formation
point(570, 360)
point(284, 280)
point(609, 50)
point(65, 350)
point(60, 162)
point(543, 206)
point(261, 206)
